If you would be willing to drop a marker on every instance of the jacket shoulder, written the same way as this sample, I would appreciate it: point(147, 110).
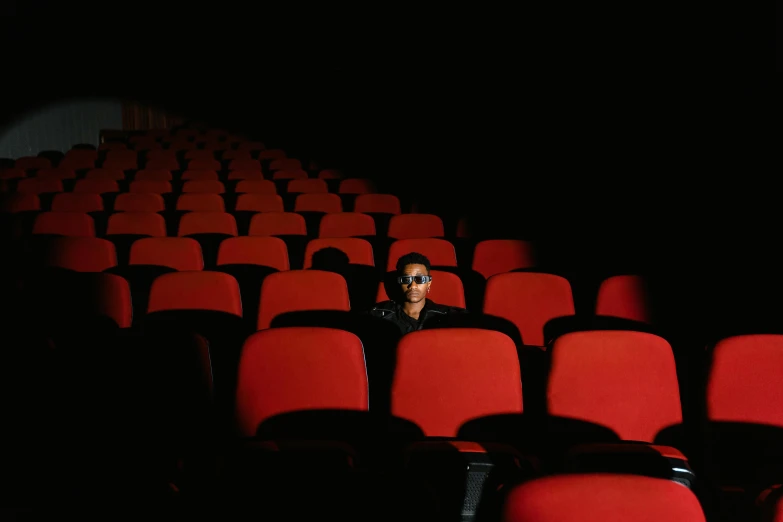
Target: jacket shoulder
point(383, 308)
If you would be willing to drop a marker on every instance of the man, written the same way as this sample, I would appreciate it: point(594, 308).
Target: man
point(413, 309)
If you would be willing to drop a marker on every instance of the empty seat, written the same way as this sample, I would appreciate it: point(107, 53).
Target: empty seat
point(200, 175)
point(82, 254)
point(377, 204)
point(290, 174)
point(745, 380)
point(254, 250)
point(601, 498)
point(446, 289)
point(248, 146)
point(256, 186)
point(155, 155)
point(446, 377)
point(346, 224)
point(150, 187)
point(259, 203)
point(203, 187)
point(301, 290)
point(149, 224)
point(359, 251)
point(122, 154)
point(105, 174)
point(207, 223)
point(95, 186)
point(150, 174)
point(307, 186)
point(439, 251)
point(240, 164)
point(56, 173)
point(39, 186)
point(277, 224)
point(32, 163)
point(179, 253)
point(76, 224)
point(529, 300)
point(81, 154)
point(357, 186)
point(624, 296)
point(201, 202)
point(318, 203)
point(496, 256)
point(415, 226)
point(271, 154)
point(139, 202)
point(622, 380)
point(77, 202)
point(212, 291)
point(297, 369)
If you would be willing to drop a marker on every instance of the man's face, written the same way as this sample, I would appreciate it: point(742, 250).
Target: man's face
point(415, 292)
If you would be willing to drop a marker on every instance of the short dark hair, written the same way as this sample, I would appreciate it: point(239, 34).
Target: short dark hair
point(413, 258)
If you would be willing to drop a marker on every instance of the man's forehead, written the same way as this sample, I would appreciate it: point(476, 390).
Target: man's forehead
point(414, 269)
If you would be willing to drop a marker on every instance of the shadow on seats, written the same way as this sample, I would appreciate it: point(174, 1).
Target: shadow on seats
point(362, 280)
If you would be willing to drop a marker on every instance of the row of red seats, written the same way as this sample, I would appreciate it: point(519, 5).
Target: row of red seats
point(528, 300)
point(205, 213)
point(160, 182)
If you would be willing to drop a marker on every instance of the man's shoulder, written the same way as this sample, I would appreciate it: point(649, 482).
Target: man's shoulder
point(445, 309)
point(383, 308)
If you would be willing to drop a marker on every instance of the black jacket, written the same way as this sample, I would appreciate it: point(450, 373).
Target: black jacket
point(432, 314)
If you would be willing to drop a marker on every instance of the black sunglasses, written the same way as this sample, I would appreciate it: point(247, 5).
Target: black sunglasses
point(420, 279)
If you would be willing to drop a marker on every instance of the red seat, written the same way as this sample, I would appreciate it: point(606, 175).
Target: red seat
point(326, 203)
point(259, 203)
point(256, 186)
point(56, 173)
point(601, 498)
point(254, 250)
point(272, 154)
point(105, 174)
point(297, 369)
point(439, 251)
point(212, 291)
point(20, 202)
point(207, 223)
point(346, 224)
point(39, 186)
point(149, 224)
point(250, 175)
point(624, 296)
point(82, 254)
point(415, 226)
point(377, 203)
point(179, 253)
point(301, 290)
point(496, 256)
point(77, 202)
point(75, 224)
point(139, 202)
point(201, 202)
point(290, 174)
point(357, 186)
point(162, 163)
point(32, 163)
point(240, 164)
point(529, 300)
point(622, 380)
point(283, 163)
point(277, 224)
point(446, 377)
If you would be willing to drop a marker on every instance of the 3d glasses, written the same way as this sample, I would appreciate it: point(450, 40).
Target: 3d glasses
point(419, 279)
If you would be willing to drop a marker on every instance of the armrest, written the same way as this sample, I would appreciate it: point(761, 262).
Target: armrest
point(631, 457)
